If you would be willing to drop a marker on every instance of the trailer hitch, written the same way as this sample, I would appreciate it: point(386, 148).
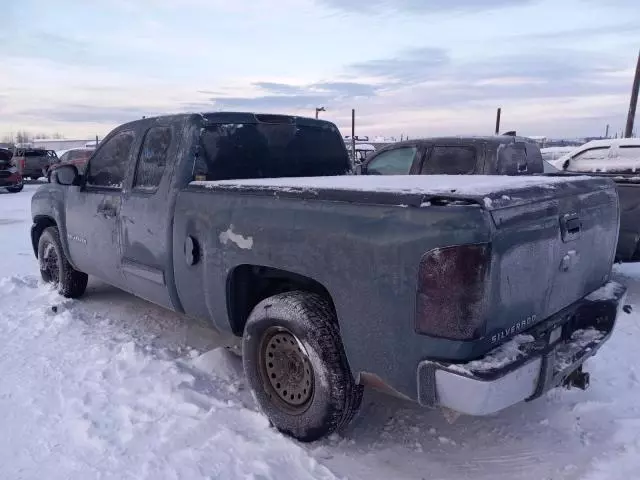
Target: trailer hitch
point(578, 379)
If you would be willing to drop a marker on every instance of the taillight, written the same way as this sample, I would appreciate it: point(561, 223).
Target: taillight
point(452, 284)
point(22, 164)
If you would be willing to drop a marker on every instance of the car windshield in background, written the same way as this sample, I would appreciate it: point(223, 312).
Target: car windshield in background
point(269, 150)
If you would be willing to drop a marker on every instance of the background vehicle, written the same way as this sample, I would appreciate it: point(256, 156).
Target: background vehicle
point(498, 155)
point(408, 283)
point(75, 156)
point(618, 159)
point(550, 154)
point(33, 162)
point(10, 178)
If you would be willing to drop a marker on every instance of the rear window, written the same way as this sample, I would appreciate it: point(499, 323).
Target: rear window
point(451, 160)
point(519, 158)
point(270, 150)
point(37, 153)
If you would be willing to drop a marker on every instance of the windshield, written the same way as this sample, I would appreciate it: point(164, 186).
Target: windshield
point(268, 150)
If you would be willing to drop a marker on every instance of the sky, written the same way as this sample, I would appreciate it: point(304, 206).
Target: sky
point(559, 68)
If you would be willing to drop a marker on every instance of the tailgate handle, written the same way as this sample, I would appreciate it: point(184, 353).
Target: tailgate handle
point(570, 226)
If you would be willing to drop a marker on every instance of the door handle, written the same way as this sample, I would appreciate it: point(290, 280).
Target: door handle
point(106, 210)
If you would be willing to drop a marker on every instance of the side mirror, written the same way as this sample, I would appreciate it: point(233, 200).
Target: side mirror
point(65, 175)
point(565, 165)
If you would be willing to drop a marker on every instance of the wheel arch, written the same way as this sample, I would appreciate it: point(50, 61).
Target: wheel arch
point(40, 224)
point(247, 285)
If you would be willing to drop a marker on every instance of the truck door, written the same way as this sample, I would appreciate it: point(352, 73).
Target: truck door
point(93, 210)
point(146, 217)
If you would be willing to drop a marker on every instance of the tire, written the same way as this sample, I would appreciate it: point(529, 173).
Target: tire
point(56, 269)
point(15, 189)
point(299, 332)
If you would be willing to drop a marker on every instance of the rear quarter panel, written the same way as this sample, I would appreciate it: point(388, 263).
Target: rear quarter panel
point(366, 256)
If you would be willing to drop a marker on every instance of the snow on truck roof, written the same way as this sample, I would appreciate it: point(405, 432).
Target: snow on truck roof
point(417, 184)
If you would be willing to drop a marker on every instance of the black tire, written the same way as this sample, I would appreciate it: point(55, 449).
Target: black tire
point(56, 269)
point(15, 189)
point(309, 319)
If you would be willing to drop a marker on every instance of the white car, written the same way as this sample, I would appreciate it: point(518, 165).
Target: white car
point(550, 154)
point(621, 155)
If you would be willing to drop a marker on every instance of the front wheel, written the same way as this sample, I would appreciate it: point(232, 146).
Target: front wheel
point(56, 269)
point(296, 366)
point(16, 189)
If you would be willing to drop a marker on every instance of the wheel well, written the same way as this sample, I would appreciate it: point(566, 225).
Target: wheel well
point(39, 226)
point(248, 285)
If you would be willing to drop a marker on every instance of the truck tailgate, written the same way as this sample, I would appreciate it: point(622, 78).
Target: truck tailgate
point(552, 246)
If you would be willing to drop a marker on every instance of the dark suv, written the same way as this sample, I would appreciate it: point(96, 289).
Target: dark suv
point(10, 178)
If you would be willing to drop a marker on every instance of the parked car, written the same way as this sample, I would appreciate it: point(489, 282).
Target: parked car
point(411, 284)
point(550, 154)
point(75, 156)
point(10, 178)
point(618, 159)
point(34, 162)
point(497, 155)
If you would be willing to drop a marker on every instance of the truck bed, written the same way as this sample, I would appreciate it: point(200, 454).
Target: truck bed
point(551, 243)
point(490, 191)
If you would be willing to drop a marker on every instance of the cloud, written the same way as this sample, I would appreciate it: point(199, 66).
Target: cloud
point(420, 6)
point(90, 114)
point(285, 96)
point(280, 88)
point(409, 66)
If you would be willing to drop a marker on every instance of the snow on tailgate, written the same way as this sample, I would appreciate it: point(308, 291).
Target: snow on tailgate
point(420, 184)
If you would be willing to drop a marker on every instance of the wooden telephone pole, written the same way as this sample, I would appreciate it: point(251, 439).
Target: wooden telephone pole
point(498, 113)
point(628, 132)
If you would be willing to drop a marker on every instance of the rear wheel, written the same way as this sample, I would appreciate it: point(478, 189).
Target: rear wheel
point(56, 269)
point(295, 364)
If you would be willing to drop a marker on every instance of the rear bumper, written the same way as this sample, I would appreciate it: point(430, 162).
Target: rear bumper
point(528, 365)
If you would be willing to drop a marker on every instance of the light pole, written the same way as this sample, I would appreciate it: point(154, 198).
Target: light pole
point(320, 109)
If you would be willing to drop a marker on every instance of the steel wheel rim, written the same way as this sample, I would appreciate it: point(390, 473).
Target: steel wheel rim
point(51, 263)
point(286, 370)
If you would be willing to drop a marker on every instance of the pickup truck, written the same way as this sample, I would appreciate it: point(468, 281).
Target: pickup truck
point(471, 295)
point(34, 162)
point(497, 155)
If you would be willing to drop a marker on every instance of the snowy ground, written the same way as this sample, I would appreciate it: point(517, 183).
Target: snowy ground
point(112, 387)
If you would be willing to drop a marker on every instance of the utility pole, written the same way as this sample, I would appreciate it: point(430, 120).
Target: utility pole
point(634, 101)
point(606, 133)
point(498, 113)
point(353, 134)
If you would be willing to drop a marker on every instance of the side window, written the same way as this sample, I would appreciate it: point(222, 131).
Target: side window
point(65, 157)
point(394, 162)
point(450, 161)
point(108, 165)
point(630, 152)
point(592, 160)
point(152, 159)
